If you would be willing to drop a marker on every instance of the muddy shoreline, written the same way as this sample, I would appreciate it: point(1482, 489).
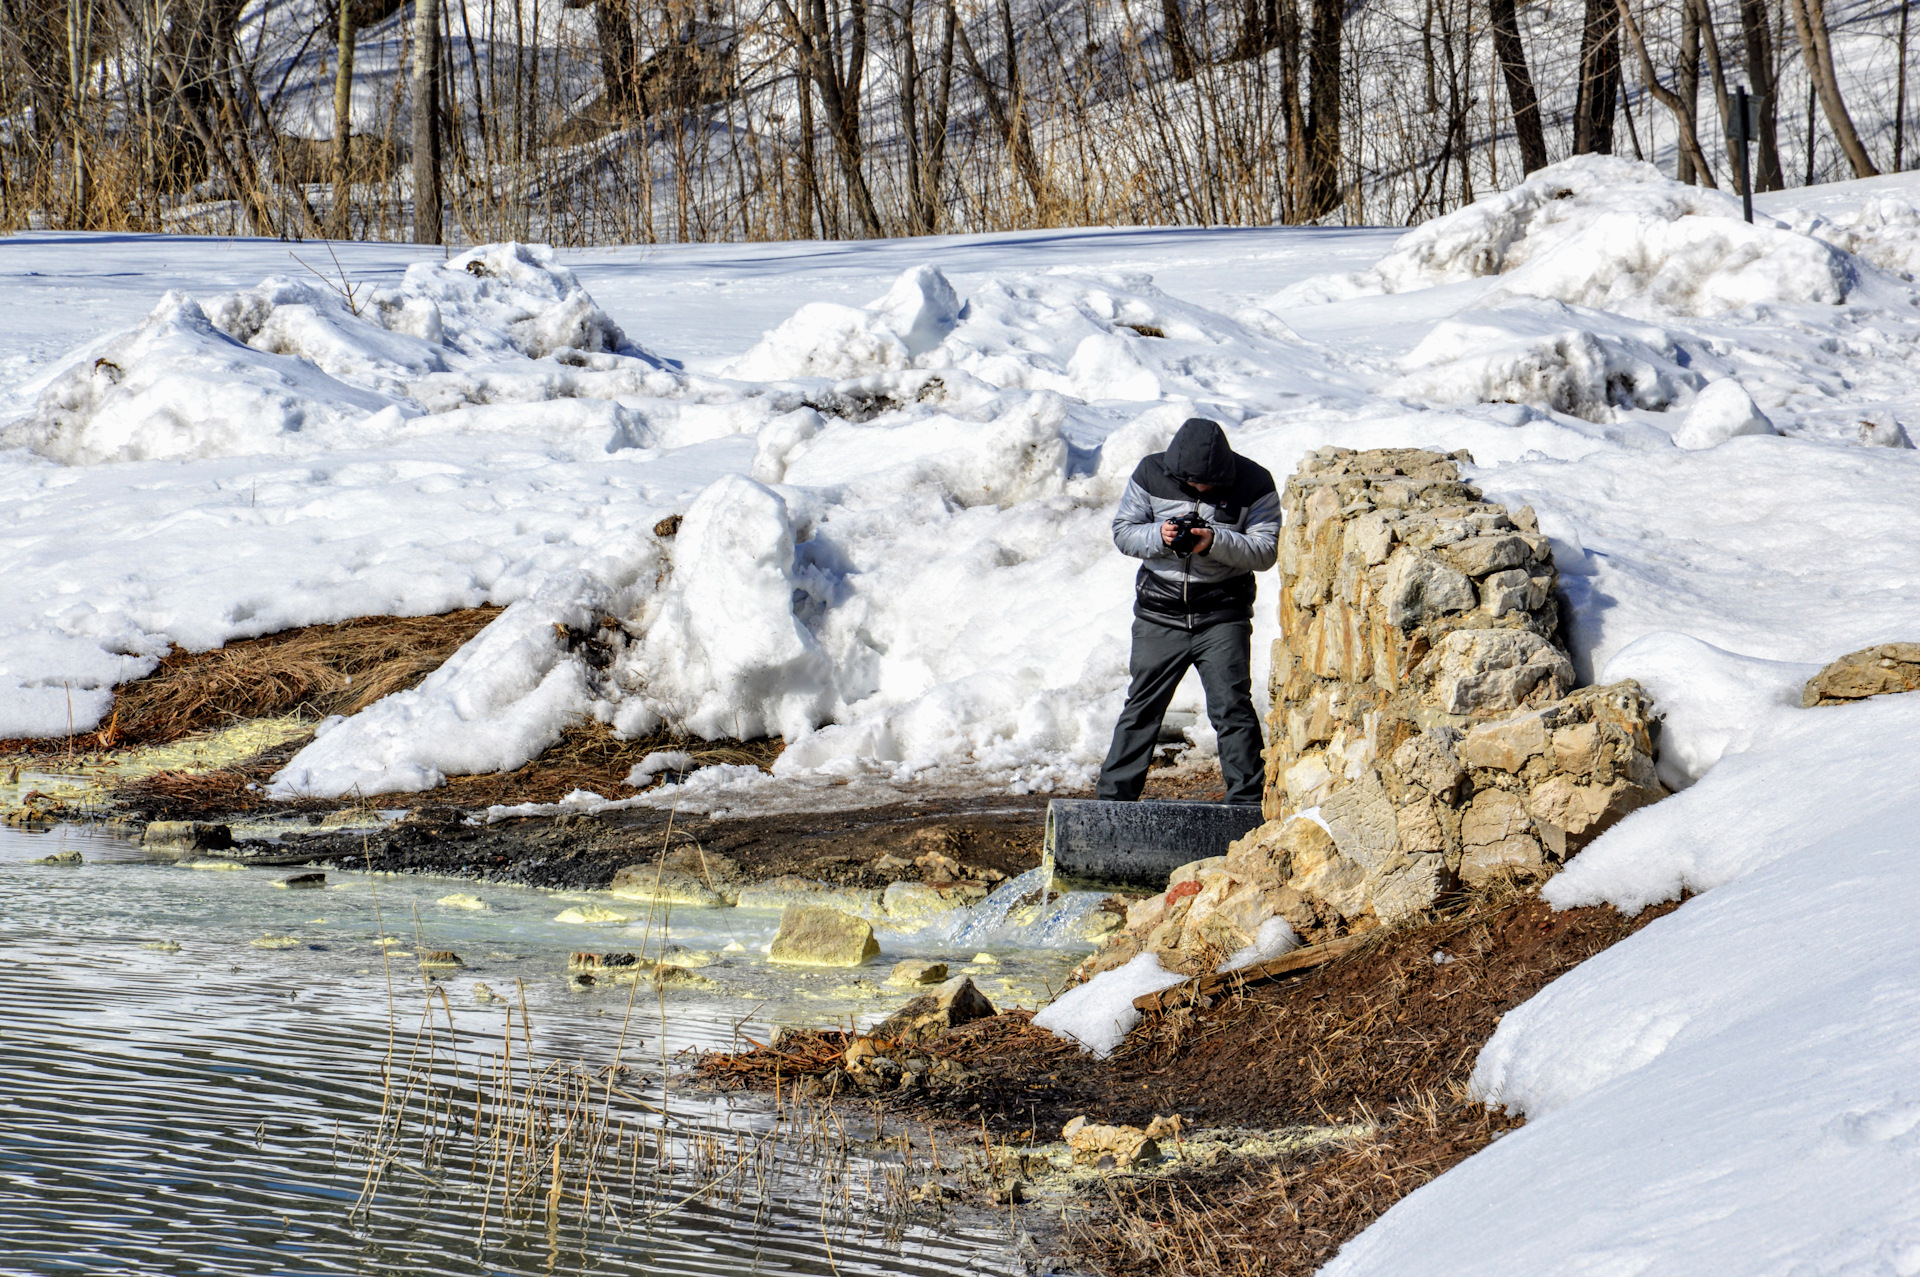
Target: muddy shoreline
point(997, 835)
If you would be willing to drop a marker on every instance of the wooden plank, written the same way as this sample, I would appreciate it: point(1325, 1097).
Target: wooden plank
point(1286, 964)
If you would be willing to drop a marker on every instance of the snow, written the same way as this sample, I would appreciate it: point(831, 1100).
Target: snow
point(1100, 1013)
point(1731, 1089)
point(894, 463)
point(1721, 412)
point(1274, 938)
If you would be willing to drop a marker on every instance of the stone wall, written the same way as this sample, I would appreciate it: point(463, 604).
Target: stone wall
point(1425, 731)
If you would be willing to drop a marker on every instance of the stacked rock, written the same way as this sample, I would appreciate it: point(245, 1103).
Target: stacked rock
point(1406, 601)
point(1424, 731)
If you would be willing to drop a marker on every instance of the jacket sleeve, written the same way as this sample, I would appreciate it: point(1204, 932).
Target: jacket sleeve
point(1256, 548)
point(1135, 531)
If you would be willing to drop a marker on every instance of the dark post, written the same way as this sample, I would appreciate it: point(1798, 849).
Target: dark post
point(1742, 135)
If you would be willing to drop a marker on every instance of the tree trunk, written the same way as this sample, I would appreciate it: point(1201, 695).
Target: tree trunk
point(1323, 109)
point(338, 217)
point(1287, 36)
point(619, 58)
point(426, 121)
point(1764, 77)
point(1717, 75)
point(1179, 50)
point(1900, 94)
point(928, 142)
point(1687, 84)
point(1512, 56)
point(1599, 79)
point(1810, 24)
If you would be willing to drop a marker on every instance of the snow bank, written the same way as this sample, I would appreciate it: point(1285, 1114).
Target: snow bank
point(723, 652)
point(496, 704)
point(1719, 1092)
point(1100, 1013)
point(1549, 354)
point(177, 386)
point(1710, 702)
point(1610, 234)
point(270, 368)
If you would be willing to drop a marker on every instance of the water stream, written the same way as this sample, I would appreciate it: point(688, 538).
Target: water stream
point(190, 1067)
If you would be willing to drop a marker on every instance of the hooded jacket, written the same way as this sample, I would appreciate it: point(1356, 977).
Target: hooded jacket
point(1191, 591)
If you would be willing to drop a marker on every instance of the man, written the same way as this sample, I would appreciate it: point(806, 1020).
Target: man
point(1193, 600)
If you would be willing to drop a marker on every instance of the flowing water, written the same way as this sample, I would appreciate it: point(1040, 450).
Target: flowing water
point(191, 1081)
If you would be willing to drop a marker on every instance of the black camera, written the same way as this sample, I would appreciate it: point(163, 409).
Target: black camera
point(1184, 540)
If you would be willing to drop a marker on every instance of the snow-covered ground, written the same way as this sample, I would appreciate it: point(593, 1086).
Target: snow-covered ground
point(896, 462)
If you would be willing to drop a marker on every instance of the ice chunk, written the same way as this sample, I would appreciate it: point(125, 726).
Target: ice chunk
point(1100, 1013)
point(660, 760)
point(1275, 937)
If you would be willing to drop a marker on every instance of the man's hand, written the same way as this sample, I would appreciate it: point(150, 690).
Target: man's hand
point(1202, 537)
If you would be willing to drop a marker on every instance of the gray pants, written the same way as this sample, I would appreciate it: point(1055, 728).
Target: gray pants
point(1161, 656)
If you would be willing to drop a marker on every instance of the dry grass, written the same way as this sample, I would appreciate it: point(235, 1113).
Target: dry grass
point(314, 671)
point(1286, 1217)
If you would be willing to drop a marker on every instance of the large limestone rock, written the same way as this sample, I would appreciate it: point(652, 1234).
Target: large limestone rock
point(1406, 602)
point(817, 936)
point(1884, 670)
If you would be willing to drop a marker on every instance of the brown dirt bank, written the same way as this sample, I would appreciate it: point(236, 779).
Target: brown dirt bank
point(1384, 1038)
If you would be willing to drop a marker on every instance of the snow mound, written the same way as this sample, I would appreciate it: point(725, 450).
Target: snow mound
point(1546, 354)
point(1724, 410)
point(724, 653)
point(1711, 702)
point(177, 387)
point(1608, 234)
point(1100, 1013)
point(1884, 230)
point(272, 368)
point(823, 339)
point(496, 704)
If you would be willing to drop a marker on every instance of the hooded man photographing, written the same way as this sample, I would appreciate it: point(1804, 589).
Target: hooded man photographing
point(1203, 520)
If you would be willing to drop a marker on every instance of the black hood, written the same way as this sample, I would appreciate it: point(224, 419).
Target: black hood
point(1199, 453)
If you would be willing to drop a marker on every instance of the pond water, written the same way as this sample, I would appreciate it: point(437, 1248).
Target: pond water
point(200, 1072)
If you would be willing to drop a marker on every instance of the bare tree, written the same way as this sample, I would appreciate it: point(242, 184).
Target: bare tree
point(1512, 56)
point(838, 66)
point(338, 216)
point(426, 122)
point(1810, 24)
point(1763, 74)
point(1665, 96)
point(1006, 105)
point(1599, 78)
point(926, 134)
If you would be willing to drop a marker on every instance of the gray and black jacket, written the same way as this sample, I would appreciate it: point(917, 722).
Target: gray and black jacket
point(1191, 591)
